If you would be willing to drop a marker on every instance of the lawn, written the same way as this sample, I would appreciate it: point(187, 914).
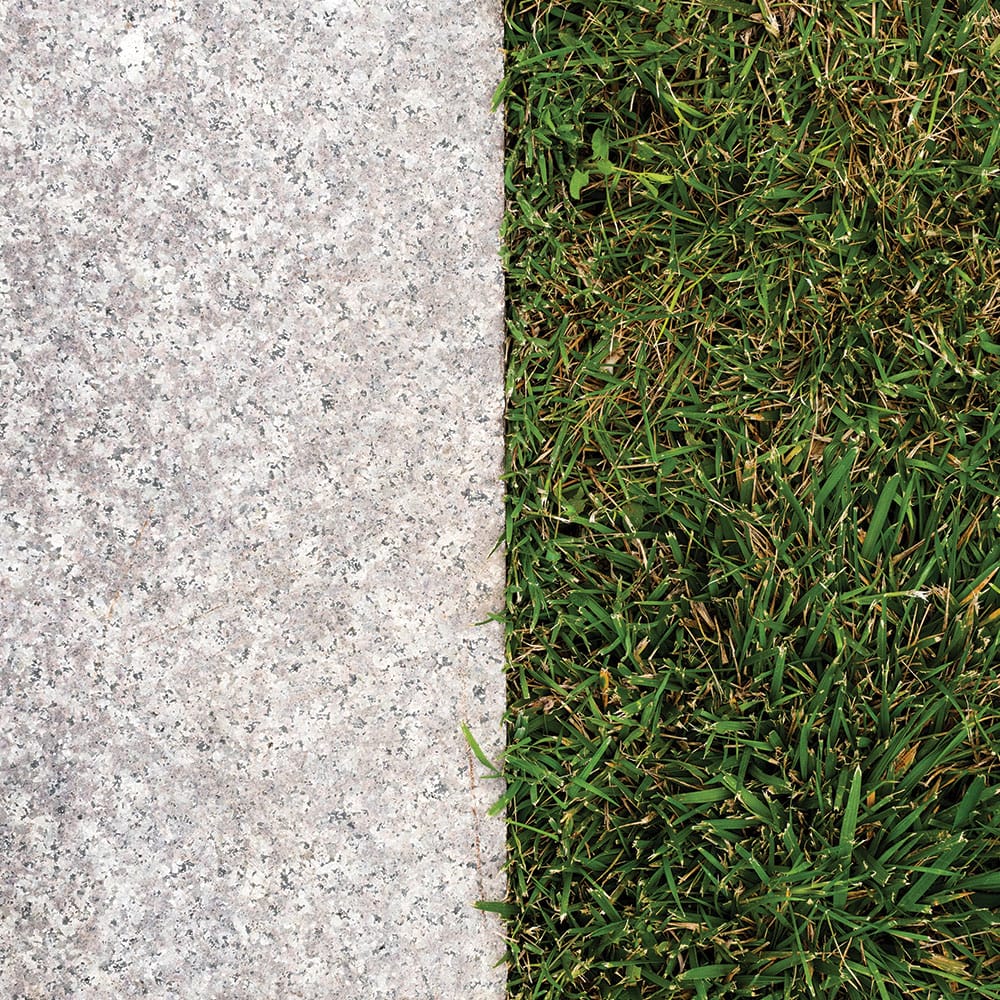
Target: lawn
point(753, 473)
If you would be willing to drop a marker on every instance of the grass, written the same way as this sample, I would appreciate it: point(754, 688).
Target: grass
point(753, 529)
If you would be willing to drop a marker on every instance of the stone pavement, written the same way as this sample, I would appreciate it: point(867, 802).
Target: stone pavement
point(250, 439)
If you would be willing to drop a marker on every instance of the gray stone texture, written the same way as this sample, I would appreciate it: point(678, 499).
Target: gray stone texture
point(250, 439)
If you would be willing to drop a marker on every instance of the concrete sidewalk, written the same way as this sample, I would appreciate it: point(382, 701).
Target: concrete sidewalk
point(250, 363)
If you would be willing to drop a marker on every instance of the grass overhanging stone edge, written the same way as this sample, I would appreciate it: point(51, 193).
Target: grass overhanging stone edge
point(753, 332)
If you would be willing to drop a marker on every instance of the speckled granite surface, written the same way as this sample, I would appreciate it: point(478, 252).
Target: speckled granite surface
point(249, 447)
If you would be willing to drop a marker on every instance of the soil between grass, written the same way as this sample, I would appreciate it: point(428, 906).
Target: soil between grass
point(753, 477)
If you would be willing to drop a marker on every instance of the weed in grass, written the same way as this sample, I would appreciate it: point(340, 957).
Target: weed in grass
point(753, 598)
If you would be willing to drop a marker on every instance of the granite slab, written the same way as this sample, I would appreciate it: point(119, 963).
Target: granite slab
point(250, 441)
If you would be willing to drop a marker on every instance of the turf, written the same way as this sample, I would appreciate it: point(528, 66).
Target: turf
point(753, 475)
